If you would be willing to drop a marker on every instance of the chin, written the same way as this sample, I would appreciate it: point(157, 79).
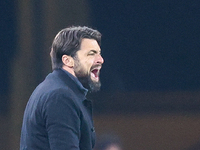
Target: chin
point(94, 86)
point(89, 82)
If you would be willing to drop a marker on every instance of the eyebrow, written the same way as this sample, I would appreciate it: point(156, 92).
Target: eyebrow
point(95, 51)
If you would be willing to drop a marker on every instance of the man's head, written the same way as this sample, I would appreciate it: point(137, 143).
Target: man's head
point(77, 50)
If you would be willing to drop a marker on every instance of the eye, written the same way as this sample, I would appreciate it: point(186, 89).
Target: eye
point(92, 52)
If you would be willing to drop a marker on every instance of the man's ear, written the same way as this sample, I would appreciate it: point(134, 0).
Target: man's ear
point(68, 61)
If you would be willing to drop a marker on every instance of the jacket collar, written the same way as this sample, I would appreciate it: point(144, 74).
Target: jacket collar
point(76, 81)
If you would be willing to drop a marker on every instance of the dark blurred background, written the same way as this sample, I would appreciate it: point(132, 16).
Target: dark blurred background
point(150, 78)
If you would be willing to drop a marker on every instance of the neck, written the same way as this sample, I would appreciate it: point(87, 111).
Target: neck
point(70, 70)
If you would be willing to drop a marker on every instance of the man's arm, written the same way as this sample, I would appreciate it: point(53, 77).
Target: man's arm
point(62, 121)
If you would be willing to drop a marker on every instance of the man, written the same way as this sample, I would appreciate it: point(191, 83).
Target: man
point(58, 116)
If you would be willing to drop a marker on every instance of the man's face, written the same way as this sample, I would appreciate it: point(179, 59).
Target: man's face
point(88, 62)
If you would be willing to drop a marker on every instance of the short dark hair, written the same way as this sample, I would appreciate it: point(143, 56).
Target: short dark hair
point(68, 41)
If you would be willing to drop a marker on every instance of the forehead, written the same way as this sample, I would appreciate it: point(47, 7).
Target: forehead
point(89, 44)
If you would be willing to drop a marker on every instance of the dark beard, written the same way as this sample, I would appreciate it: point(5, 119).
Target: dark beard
point(85, 79)
point(88, 83)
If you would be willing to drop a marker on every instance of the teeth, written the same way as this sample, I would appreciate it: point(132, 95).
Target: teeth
point(93, 74)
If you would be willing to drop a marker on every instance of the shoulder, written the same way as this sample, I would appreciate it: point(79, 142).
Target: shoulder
point(59, 102)
point(59, 97)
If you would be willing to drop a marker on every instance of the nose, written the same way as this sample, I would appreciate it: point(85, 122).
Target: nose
point(100, 59)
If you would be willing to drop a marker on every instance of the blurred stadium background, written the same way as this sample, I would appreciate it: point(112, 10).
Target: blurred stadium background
point(150, 93)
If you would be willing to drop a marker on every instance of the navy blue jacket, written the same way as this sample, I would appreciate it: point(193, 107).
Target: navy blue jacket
point(58, 116)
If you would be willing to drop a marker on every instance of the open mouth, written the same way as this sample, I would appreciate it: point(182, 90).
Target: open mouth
point(95, 73)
